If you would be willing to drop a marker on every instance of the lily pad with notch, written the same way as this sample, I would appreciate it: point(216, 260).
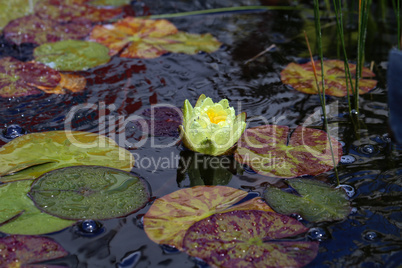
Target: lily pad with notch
point(31, 155)
point(301, 77)
point(19, 214)
point(315, 201)
point(27, 251)
point(170, 216)
point(276, 151)
point(249, 238)
point(89, 192)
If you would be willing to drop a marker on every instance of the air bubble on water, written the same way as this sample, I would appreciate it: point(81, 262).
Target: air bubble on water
point(13, 131)
point(169, 249)
point(317, 234)
point(367, 149)
point(347, 159)
point(370, 236)
point(350, 191)
point(296, 216)
point(139, 221)
point(386, 138)
point(89, 228)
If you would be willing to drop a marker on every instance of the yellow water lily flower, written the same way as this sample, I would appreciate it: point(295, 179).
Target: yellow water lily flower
point(211, 128)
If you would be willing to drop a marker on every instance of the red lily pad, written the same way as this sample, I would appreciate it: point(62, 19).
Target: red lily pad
point(170, 216)
point(33, 29)
point(24, 250)
point(249, 239)
point(67, 10)
point(267, 151)
point(301, 77)
point(19, 78)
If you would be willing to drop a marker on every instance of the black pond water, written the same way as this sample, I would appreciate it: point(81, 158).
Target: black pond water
point(369, 237)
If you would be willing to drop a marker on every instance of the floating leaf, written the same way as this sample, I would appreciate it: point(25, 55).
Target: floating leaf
point(67, 11)
point(24, 251)
point(89, 192)
point(19, 214)
point(31, 155)
point(19, 78)
point(10, 10)
point(301, 77)
point(71, 82)
point(72, 55)
point(114, 3)
point(170, 216)
point(244, 239)
point(32, 29)
point(188, 43)
point(316, 201)
point(266, 150)
point(140, 38)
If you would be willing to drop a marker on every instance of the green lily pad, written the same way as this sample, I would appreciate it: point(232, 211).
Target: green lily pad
point(301, 77)
point(72, 55)
point(190, 43)
point(33, 29)
point(24, 251)
point(245, 239)
point(31, 155)
point(10, 10)
point(316, 202)
point(19, 214)
point(19, 78)
point(89, 192)
point(269, 151)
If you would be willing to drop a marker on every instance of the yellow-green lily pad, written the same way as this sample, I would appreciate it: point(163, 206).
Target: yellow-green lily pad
point(19, 214)
point(72, 55)
point(89, 192)
point(31, 155)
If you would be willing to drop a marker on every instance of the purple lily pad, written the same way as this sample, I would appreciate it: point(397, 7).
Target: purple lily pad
point(74, 10)
point(19, 78)
point(33, 29)
point(23, 250)
point(244, 239)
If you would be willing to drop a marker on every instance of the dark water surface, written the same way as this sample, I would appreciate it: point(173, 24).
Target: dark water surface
point(369, 237)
